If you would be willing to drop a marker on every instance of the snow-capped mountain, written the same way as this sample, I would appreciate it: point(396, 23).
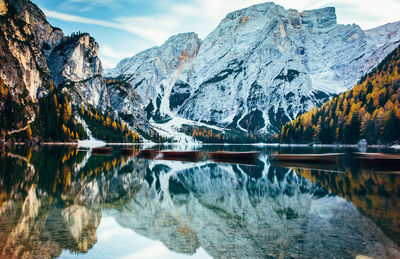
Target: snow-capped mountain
point(261, 67)
point(153, 71)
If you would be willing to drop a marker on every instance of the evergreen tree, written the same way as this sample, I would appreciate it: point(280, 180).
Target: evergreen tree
point(367, 128)
point(391, 126)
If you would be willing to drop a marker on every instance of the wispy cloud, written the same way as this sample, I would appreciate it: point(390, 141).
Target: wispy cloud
point(79, 19)
point(85, 5)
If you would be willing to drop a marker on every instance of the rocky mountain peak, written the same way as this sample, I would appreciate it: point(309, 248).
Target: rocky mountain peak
point(50, 56)
point(267, 12)
point(89, 43)
point(255, 10)
point(320, 18)
point(74, 62)
point(179, 49)
point(157, 64)
point(188, 43)
point(176, 39)
point(27, 10)
point(166, 57)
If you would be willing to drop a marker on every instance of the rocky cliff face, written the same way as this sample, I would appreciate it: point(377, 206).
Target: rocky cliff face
point(126, 101)
point(261, 67)
point(25, 39)
point(74, 64)
point(154, 71)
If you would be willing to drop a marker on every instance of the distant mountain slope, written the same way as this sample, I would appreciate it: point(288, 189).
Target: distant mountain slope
point(260, 68)
point(371, 110)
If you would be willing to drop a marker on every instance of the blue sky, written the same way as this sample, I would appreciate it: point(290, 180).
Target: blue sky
point(125, 27)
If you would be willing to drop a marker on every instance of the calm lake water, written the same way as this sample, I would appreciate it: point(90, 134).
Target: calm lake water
point(66, 202)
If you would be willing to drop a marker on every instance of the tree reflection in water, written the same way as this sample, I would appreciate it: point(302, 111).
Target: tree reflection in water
point(51, 206)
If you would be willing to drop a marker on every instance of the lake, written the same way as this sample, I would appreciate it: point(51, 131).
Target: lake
point(65, 202)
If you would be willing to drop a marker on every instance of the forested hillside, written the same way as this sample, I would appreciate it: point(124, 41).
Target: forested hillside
point(209, 135)
point(103, 126)
point(371, 110)
point(55, 120)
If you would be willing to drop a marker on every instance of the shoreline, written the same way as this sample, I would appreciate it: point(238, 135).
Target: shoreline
point(33, 143)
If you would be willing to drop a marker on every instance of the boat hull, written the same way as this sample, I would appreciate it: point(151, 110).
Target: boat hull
point(184, 156)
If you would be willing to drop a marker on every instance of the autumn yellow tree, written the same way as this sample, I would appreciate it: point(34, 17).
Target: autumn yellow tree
point(29, 132)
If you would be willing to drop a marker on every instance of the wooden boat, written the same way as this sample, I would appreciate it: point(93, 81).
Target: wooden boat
point(148, 153)
point(246, 158)
point(102, 151)
point(189, 156)
point(307, 158)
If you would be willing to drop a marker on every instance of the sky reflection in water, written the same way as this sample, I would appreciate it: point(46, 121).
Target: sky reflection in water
point(114, 241)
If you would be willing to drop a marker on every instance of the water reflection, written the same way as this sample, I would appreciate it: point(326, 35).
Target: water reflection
point(54, 199)
point(376, 195)
point(51, 199)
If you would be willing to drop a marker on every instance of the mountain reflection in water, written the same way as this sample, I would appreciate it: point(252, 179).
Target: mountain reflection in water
point(53, 200)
